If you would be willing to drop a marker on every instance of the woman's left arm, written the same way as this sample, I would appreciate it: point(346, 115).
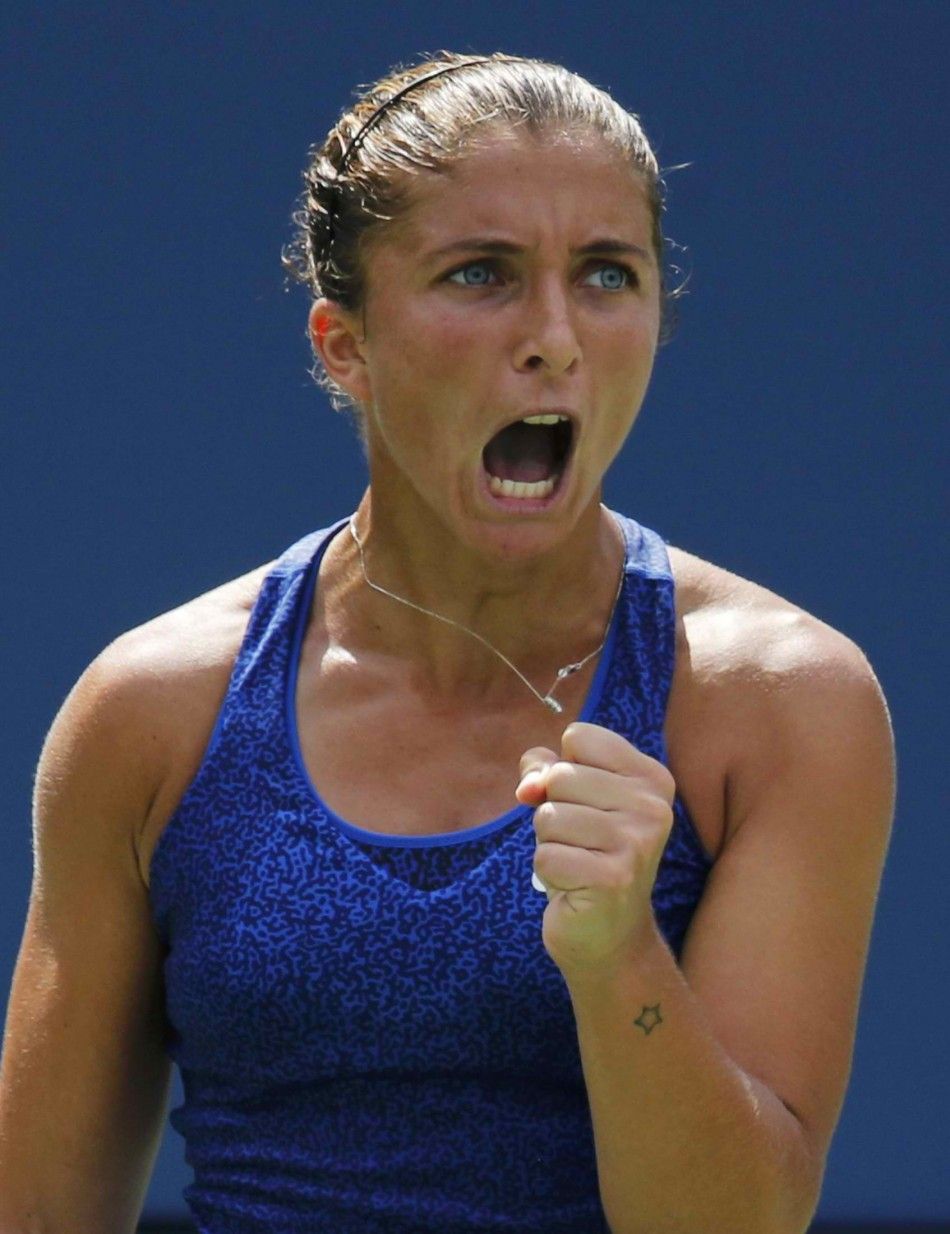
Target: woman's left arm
point(715, 1087)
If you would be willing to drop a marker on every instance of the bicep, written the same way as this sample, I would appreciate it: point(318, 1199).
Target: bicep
point(84, 1076)
point(778, 946)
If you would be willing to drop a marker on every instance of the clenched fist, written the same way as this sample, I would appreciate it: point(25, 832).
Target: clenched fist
point(604, 814)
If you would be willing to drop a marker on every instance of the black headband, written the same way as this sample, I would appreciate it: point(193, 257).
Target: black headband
point(368, 125)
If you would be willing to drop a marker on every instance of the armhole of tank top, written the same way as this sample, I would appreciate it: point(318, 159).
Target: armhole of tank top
point(652, 561)
point(291, 562)
point(172, 822)
point(660, 568)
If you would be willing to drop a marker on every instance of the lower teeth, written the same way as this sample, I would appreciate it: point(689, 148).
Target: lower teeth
point(517, 488)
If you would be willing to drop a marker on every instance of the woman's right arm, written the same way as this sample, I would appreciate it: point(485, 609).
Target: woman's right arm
point(84, 1078)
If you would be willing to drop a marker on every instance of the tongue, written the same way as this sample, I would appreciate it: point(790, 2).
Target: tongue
point(521, 452)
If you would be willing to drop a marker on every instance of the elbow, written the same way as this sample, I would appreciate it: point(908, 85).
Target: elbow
point(784, 1206)
point(797, 1190)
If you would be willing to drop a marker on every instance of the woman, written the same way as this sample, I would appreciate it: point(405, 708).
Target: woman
point(483, 862)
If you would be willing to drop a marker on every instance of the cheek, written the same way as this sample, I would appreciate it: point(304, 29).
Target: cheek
point(425, 358)
point(626, 354)
point(448, 341)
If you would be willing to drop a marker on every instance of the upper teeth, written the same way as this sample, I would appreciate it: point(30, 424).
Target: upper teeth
point(551, 419)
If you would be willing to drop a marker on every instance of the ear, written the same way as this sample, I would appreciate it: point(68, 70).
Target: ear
point(335, 334)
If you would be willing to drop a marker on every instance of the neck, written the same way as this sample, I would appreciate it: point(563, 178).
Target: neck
point(540, 612)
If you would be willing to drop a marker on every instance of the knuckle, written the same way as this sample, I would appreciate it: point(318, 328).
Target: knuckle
point(561, 774)
point(659, 805)
point(658, 808)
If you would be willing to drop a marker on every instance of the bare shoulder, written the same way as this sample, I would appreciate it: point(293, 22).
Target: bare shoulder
point(755, 663)
point(735, 626)
point(163, 683)
point(190, 641)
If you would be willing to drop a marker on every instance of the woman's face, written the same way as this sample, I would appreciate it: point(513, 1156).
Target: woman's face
point(461, 343)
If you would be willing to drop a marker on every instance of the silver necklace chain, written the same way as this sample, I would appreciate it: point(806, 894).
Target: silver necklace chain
point(567, 671)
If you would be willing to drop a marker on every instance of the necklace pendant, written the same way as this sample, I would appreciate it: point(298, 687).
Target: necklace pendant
point(553, 704)
point(567, 670)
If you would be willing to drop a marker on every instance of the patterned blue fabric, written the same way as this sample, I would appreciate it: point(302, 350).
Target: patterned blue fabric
point(371, 1036)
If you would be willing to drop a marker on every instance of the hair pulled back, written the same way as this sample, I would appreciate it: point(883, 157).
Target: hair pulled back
point(341, 211)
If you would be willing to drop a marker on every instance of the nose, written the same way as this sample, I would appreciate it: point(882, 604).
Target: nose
point(548, 335)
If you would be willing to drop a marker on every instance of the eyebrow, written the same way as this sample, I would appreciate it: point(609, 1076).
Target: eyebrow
point(489, 244)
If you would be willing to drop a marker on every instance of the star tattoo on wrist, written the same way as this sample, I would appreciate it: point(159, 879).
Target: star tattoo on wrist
point(649, 1018)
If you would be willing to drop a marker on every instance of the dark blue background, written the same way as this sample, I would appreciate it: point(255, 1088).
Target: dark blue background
point(160, 433)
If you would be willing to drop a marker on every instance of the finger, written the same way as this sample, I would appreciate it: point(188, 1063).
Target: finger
point(591, 786)
point(537, 758)
point(596, 746)
point(531, 791)
point(577, 827)
point(531, 787)
point(560, 868)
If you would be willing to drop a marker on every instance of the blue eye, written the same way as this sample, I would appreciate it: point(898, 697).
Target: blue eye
point(472, 265)
point(608, 267)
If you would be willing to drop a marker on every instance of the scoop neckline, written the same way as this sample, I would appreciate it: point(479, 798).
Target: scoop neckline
point(439, 839)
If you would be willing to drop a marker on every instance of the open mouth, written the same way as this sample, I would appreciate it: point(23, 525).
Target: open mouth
point(526, 460)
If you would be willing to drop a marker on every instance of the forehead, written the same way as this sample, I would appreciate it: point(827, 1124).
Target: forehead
point(533, 187)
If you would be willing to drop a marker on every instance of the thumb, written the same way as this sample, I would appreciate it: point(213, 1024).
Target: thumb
point(531, 788)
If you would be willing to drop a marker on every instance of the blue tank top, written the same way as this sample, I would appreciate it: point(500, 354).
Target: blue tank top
point(370, 1034)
